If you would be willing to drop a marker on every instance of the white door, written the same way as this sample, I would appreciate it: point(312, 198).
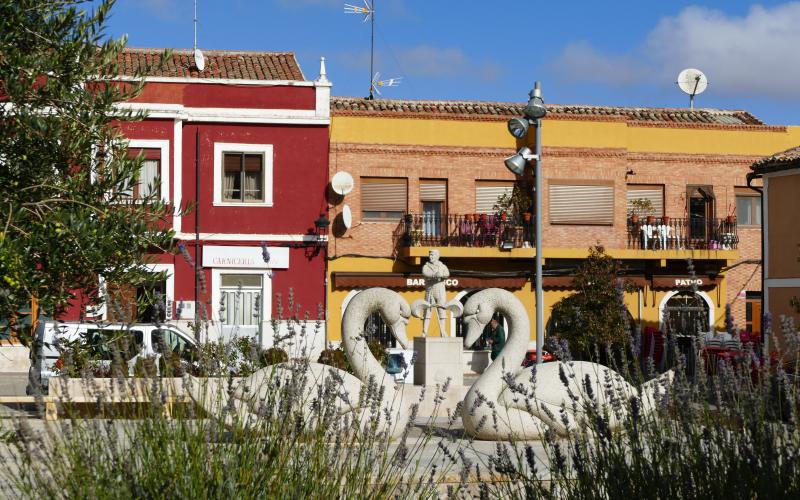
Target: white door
point(241, 305)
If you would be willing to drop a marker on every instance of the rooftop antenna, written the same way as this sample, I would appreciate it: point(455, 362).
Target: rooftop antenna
point(199, 59)
point(693, 82)
point(368, 11)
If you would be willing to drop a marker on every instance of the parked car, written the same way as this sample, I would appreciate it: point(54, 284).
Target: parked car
point(138, 340)
point(530, 357)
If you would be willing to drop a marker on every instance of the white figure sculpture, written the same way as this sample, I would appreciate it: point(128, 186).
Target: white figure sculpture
point(393, 413)
point(435, 273)
point(492, 411)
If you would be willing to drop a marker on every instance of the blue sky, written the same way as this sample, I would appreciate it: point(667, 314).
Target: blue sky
point(618, 52)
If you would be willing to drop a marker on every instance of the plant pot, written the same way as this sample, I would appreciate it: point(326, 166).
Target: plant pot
point(665, 220)
point(731, 219)
point(527, 216)
point(468, 217)
point(634, 219)
point(651, 219)
point(503, 216)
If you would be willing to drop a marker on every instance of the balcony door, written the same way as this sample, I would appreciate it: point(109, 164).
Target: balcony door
point(433, 197)
point(700, 201)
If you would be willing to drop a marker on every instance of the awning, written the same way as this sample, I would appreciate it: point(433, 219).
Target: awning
point(417, 281)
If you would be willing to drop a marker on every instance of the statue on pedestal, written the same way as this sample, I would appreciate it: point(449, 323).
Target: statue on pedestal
point(435, 273)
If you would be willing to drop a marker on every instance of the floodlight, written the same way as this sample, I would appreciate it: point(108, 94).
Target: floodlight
point(518, 127)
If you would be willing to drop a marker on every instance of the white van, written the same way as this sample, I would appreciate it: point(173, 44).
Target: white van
point(143, 339)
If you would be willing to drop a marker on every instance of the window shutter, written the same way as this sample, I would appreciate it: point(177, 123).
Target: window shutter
point(433, 190)
point(147, 153)
point(653, 193)
point(383, 195)
point(581, 204)
point(232, 162)
point(252, 163)
point(487, 194)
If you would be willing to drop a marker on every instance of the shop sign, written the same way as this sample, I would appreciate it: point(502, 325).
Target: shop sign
point(245, 257)
point(670, 282)
point(420, 282)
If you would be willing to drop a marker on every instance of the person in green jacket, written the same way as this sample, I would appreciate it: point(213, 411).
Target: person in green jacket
point(497, 338)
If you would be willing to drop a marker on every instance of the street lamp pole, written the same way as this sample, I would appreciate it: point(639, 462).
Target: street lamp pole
point(534, 111)
point(537, 92)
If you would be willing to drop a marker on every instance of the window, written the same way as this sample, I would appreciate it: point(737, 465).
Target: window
point(154, 173)
point(242, 174)
point(585, 204)
point(748, 207)
point(243, 177)
point(488, 192)
point(653, 193)
point(165, 340)
point(150, 173)
point(241, 303)
point(383, 199)
point(753, 311)
point(433, 198)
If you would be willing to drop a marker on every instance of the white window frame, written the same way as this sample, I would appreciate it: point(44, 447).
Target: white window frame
point(100, 312)
point(220, 148)
point(164, 161)
point(266, 292)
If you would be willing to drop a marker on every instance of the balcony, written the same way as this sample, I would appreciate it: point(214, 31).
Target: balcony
point(469, 230)
point(683, 234)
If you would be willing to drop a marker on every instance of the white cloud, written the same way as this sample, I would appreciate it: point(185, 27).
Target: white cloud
point(428, 61)
point(755, 54)
point(580, 61)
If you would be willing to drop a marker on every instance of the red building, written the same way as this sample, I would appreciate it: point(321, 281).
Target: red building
point(245, 143)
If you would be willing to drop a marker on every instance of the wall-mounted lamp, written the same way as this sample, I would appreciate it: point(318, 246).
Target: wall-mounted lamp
point(629, 172)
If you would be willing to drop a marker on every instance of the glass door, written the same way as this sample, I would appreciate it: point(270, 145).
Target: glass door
point(241, 305)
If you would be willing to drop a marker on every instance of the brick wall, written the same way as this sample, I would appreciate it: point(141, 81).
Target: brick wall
point(463, 166)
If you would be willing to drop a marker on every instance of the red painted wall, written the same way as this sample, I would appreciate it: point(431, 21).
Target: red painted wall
point(299, 178)
point(209, 95)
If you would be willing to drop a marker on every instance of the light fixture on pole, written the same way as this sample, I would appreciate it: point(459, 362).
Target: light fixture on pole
point(534, 111)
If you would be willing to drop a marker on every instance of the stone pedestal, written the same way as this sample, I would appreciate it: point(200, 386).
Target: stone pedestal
point(437, 359)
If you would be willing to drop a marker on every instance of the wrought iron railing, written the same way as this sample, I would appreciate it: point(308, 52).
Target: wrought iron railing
point(680, 234)
point(468, 230)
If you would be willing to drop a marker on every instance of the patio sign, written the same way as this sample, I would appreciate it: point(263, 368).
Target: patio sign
point(683, 282)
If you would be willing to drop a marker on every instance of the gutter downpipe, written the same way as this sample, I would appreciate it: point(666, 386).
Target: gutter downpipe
point(197, 227)
point(750, 177)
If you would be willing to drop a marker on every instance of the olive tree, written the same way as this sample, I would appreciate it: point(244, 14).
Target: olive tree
point(67, 210)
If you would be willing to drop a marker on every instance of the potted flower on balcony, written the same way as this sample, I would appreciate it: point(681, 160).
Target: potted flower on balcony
point(639, 207)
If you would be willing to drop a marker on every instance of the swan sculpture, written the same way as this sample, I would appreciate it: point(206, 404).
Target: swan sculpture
point(247, 397)
point(499, 407)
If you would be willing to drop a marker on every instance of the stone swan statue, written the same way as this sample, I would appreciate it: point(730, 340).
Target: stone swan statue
point(248, 395)
point(493, 411)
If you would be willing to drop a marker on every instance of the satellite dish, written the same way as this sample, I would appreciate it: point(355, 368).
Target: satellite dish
point(347, 216)
point(692, 81)
point(199, 60)
point(342, 183)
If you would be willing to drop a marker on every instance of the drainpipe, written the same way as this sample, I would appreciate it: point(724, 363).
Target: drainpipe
point(750, 177)
point(197, 227)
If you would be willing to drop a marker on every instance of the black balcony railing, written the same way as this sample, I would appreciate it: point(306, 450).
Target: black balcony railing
point(471, 230)
point(683, 234)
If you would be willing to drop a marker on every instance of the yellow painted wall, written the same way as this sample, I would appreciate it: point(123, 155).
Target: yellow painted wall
point(649, 315)
point(562, 133)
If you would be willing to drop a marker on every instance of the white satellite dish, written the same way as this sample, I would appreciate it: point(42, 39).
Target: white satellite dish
point(692, 81)
point(347, 216)
point(342, 183)
point(199, 60)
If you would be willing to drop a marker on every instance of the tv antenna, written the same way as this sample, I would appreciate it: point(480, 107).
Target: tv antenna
point(197, 54)
point(693, 82)
point(377, 82)
point(368, 11)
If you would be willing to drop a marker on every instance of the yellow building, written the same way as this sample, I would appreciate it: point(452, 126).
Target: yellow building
point(429, 174)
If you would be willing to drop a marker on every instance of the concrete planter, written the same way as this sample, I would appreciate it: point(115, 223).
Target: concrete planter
point(114, 390)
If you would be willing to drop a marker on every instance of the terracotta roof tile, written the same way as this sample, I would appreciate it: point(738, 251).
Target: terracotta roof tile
point(503, 110)
point(779, 161)
point(219, 64)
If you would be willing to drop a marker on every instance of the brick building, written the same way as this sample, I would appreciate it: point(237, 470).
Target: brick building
point(428, 175)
